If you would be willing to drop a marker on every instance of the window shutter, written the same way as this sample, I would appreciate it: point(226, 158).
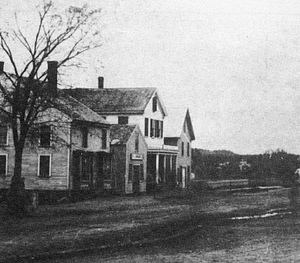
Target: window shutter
point(151, 128)
point(2, 164)
point(146, 126)
point(3, 134)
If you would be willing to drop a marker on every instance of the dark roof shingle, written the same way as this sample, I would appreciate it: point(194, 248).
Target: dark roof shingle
point(76, 110)
point(120, 134)
point(114, 101)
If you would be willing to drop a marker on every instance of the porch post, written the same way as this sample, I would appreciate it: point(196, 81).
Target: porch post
point(157, 167)
point(164, 173)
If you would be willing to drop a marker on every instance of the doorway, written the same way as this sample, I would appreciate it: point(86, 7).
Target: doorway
point(136, 179)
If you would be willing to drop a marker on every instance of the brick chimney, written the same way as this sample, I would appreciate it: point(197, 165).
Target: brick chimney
point(100, 82)
point(52, 77)
point(1, 67)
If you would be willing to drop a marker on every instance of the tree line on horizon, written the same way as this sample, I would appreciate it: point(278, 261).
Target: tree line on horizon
point(272, 167)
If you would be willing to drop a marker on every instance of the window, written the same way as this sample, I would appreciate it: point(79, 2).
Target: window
point(3, 134)
point(85, 133)
point(104, 139)
point(182, 148)
point(44, 166)
point(152, 128)
point(3, 164)
point(154, 104)
point(156, 128)
point(188, 149)
point(146, 126)
point(45, 135)
point(123, 120)
point(136, 147)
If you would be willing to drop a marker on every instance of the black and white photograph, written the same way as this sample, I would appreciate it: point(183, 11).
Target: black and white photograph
point(149, 131)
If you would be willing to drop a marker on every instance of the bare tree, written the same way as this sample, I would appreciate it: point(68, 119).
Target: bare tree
point(24, 92)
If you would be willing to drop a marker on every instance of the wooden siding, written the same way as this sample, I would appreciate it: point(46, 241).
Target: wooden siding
point(118, 167)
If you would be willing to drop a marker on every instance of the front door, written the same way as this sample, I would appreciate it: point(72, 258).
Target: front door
point(136, 179)
point(82, 170)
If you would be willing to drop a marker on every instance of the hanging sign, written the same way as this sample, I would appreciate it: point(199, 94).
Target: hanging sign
point(135, 156)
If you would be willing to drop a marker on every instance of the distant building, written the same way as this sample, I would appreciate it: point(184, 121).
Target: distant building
point(244, 165)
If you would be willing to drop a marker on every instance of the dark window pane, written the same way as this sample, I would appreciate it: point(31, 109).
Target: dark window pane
point(104, 139)
point(2, 164)
point(45, 135)
point(154, 104)
point(146, 126)
point(3, 134)
point(85, 137)
point(182, 148)
point(123, 120)
point(137, 142)
point(156, 128)
point(142, 172)
point(44, 166)
point(151, 128)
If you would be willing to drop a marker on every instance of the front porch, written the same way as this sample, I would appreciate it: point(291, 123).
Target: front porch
point(161, 165)
point(90, 170)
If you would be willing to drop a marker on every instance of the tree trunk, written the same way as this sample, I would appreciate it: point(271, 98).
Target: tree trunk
point(16, 194)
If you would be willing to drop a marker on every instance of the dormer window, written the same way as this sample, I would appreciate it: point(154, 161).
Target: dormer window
point(123, 120)
point(3, 134)
point(45, 135)
point(154, 104)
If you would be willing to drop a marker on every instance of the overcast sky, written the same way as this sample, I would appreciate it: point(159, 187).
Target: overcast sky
point(235, 64)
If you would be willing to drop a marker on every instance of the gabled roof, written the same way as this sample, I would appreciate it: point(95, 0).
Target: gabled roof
point(173, 125)
point(65, 103)
point(120, 134)
point(76, 110)
point(116, 100)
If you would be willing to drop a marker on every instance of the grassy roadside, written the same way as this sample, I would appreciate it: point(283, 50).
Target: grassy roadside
point(114, 221)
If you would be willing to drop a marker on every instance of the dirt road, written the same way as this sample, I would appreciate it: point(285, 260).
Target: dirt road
point(274, 239)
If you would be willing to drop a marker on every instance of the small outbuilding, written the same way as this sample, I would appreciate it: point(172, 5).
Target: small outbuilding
point(129, 159)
